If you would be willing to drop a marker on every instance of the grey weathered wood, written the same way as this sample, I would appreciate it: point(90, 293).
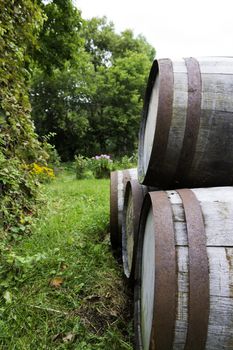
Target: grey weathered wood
point(217, 210)
point(212, 163)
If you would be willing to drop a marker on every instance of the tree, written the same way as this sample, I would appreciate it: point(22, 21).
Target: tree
point(122, 64)
point(58, 101)
point(59, 37)
point(116, 107)
point(91, 94)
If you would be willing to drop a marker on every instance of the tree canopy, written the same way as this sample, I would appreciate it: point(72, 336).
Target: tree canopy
point(88, 82)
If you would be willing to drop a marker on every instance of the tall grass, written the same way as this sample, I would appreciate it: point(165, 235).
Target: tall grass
point(60, 287)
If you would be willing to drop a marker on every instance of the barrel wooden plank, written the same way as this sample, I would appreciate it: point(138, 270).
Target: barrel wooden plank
point(221, 299)
point(216, 206)
point(177, 128)
point(133, 199)
point(192, 155)
point(216, 65)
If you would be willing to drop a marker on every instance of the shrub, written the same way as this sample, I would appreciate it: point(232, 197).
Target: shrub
point(44, 173)
point(81, 167)
point(125, 162)
point(101, 166)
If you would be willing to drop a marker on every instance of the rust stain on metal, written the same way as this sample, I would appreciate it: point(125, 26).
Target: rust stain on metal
point(199, 300)
point(165, 275)
point(164, 117)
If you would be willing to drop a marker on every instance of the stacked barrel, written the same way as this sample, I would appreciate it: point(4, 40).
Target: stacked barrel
point(177, 235)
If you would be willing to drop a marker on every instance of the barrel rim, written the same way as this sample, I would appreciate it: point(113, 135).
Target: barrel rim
point(163, 68)
point(138, 193)
point(154, 71)
point(199, 293)
point(137, 287)
point(163, 322)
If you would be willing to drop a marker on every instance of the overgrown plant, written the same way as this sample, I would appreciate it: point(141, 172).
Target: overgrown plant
point(125, 162)
point(81, 167)
point(101, 166)
point(20, 22)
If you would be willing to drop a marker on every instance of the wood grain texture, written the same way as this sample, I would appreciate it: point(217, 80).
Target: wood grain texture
point(217, 206)
point(217, 211)
point(212, 162)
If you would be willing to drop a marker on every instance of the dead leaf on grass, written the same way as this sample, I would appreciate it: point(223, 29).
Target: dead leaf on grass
point(69, 337)
point(56, 282)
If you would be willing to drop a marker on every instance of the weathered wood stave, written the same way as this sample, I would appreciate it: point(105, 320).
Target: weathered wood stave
point(170, 320)
point(118, 180)
point(186, 133)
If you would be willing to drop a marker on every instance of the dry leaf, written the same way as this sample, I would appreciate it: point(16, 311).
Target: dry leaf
point(63, 266)
point(56, 282)
point(69, 337)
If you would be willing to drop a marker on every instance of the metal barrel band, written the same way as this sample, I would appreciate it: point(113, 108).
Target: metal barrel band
point(136, 191)
point(164, 117)
point(138, 275)
point(198, 306)
point(165, 277)
point(192, 120)
point(139, 192)
point(149, 88)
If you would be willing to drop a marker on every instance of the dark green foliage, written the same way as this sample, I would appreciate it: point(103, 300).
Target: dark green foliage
point(19, 23)
point(57, 107)
point(93, 100)
point(58, 39)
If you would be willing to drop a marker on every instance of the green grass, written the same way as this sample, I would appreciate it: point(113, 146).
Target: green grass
point(90, 307)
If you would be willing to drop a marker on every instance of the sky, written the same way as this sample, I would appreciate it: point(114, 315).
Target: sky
point(176, 28)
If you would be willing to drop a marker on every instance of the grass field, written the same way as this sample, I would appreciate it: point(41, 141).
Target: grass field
point(60, 288)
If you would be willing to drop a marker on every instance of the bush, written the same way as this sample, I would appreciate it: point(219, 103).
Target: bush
point(101, 166)
point(81, 167)
point(125, 162)
point(44, 173)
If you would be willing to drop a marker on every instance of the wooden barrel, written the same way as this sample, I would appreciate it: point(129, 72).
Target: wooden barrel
point(184, 271)
point(133, 199)
point(186, 133)
point(118, 180)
